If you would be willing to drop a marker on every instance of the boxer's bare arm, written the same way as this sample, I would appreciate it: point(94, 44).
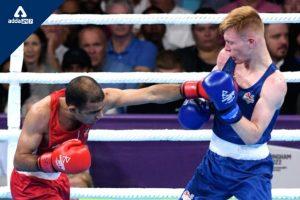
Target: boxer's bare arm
point(271, 99)
point(34, 127)
point(161, 93)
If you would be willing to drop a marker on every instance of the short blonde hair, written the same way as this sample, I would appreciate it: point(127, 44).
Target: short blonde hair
point(242, 19)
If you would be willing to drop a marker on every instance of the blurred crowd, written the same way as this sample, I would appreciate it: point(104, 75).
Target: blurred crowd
point(147, 48)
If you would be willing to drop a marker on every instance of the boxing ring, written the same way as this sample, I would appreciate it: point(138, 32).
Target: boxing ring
point(16, 77)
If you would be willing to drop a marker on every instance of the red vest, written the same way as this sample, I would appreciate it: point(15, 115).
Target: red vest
point(57, 135)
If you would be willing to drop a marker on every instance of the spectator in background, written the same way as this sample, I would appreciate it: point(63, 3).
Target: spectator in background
point(93, 40)
point(202, 56)
point(76, 60)
point(138, 5)
point(262, 6)
point(278, 44)
point(153, 32)
point(35, 51)
point(190, 5)
point(91, 7)
point(214, 4)
point(177, 36)
point(166, 61)
point(70, 7)
point(71, 40)
point(124, 48)
point(277, 39)
point(291, 6)
point(56, 36)
point(4, 67)
point(294, 39)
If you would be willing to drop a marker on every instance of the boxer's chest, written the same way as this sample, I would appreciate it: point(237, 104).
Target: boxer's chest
point(246, 78)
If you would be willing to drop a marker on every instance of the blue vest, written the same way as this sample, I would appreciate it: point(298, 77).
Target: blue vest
point(247, 99)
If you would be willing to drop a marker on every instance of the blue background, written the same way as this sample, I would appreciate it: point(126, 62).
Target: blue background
point(12, 35)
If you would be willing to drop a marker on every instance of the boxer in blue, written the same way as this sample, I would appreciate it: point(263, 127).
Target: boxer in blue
point(246, 92)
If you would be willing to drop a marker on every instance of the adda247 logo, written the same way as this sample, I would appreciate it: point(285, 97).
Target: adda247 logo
point(20, 17)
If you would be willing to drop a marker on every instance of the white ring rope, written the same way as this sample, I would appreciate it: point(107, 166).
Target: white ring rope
point(150, 193)
point(156, 135)
point(114, 77)
point(66, 19)
point(16, 77)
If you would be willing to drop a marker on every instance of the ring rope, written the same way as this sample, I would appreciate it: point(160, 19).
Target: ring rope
point(114, 77)
point(156, 135)
point(67, 19)
point(15, 78)
point(150, 193)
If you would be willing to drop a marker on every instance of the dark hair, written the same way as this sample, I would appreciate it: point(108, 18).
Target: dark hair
point(44, 41)
point(153, 9)
point(76, 56)
point(167, 59)
point(83, 89)
point(204, 10)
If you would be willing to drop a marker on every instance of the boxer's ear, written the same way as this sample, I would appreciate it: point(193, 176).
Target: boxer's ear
point(252, 43)
point(72, 108)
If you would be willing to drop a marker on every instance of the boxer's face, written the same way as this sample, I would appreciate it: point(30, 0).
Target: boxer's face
point(236, 45)
point(90, 113)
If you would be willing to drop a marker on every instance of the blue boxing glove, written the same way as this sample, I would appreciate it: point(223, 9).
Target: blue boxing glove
point(221, 90)
point(193, 113)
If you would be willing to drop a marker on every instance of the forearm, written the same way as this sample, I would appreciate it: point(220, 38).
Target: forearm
point(248, 131)
point(26, 162)
point(164, 93)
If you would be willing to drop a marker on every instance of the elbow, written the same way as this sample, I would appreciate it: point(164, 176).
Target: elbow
point(18, 163)
point(255, 137)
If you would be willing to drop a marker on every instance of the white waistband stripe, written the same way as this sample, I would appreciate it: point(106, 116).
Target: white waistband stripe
point(42, 175)
point(239, 152)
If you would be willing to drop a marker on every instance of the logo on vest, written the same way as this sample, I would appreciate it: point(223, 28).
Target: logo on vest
point(61, 161)
point(248, 97)
point(20, 17)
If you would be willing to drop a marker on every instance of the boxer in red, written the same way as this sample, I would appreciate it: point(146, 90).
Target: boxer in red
point(55, 130)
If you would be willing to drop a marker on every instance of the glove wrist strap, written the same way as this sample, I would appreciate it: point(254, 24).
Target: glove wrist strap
point(44, 163)
point(231, 115)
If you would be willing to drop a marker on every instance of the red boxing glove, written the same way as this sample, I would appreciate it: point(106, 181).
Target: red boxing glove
point(193, 90)
point(71, 157)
